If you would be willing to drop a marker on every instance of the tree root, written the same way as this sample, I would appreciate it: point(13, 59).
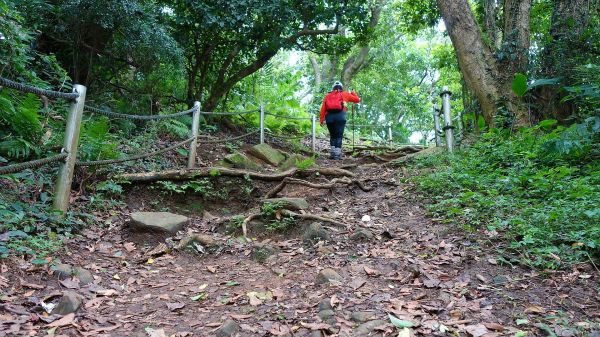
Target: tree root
point(186, 174)
point(328, 185)
point(308, 216)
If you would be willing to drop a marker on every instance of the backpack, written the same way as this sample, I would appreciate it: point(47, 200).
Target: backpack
point(334, 101)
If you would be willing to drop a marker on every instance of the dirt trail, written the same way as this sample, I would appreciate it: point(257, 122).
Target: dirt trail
point(391, 259)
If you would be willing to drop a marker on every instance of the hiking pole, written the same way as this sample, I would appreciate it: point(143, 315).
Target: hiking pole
point(353, 127)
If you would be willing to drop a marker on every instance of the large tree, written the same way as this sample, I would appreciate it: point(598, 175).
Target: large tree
point(489, 71)
point(225, 41)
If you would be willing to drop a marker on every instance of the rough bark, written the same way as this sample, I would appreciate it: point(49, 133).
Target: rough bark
point(475, 59)
point(489, 78)
point(223, 171)
point(569, 19)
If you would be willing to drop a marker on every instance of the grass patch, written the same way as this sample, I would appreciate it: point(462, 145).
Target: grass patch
point(540, 188)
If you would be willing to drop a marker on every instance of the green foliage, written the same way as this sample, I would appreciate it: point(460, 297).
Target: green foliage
point(519, 85)
point(202, 187)
point(276, 222)
point(305, 163)
point(539, 187)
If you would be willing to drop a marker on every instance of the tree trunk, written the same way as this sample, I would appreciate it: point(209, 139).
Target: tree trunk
point(490, 79)
point(475, 59)
point(569, 19)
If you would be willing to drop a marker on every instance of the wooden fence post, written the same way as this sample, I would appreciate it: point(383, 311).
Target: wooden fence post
point(448, 127)
point(65, 176)
point(194, 143)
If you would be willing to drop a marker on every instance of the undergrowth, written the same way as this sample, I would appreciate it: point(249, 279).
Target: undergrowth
point(540, 188)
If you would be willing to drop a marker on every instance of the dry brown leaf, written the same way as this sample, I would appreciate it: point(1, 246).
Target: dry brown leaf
point(476, 330)
point(316, 326)
point(371, 271)
point(65, 320)
point(175, 306)
point(494, 326)
point(534, 309)
point(211, 269)
point(239, 316)
point(129, 246)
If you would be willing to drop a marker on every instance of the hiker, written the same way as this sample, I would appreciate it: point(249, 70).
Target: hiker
point(333, 112)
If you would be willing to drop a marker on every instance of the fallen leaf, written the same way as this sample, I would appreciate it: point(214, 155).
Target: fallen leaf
point(492, 261)
point(399, 322)
point(371, 271)
point(211, 269)
point(155, 333)
point(129, 246)
point(494, 326)
point(70, 284)
point(65, 320)
point(106, 292)
point(316, 326)
point(534, 309)
point(404, 332)
point(476, 330)
point(175, 306)
point(239, 316)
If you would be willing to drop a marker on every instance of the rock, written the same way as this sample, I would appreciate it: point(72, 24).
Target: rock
point(327, 275)
point(293, 204)
point(500, 279)
point(362, 316)
point(326, 250)
point(241, 161)
point(325, 304)
point(261, 252)
point(362, 235)
point(85, 276)
point(267, 153)
point(325, 315)
point(315, 233)
point(291, 162)
point(317, 333)
point(595, 333)
point(69, 303)
point(368, 327)
point(228, 329)
point(62, 270)
point(158, 221)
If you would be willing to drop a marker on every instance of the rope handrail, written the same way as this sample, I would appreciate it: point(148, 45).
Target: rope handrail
point(4, 82)
point(132, 158)
point(216, 141)
point(32, 164)
point(228, 113)
point(288, 117)
point(137, 117)
point(271, 134)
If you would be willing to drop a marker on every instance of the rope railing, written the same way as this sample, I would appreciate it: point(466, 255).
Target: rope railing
point(133, 158)
point(138, 117)
point(228, 113)
point(226, 140)
point(32, 164)
point(288, 117)
point(4, 82)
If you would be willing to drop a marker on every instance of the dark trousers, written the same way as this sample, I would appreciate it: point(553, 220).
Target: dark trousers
point(336, 122)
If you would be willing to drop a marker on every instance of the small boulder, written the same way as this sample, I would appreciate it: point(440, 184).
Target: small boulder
point(315, 233)
point(293, 204)
point(362, 235)
point(241, 161)
point(267, 153)
point(261, 252)
point(325, 304)
point(362, 316)
point(367, 328)
point(325, 315)
point(62, 270)
point(85, 276)
point(69, 303)
point(328, 275)
point(500, 280)
point(228, 329)
point(291, 162)
point(158, 221)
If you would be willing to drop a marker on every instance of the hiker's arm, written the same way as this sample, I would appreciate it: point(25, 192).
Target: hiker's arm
point(350, 97)
point(323, 112)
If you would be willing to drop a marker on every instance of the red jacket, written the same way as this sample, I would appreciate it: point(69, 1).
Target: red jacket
point(346, 96)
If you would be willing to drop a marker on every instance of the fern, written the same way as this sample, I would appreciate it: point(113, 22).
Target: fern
point(17, 148)
point(23, 120)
